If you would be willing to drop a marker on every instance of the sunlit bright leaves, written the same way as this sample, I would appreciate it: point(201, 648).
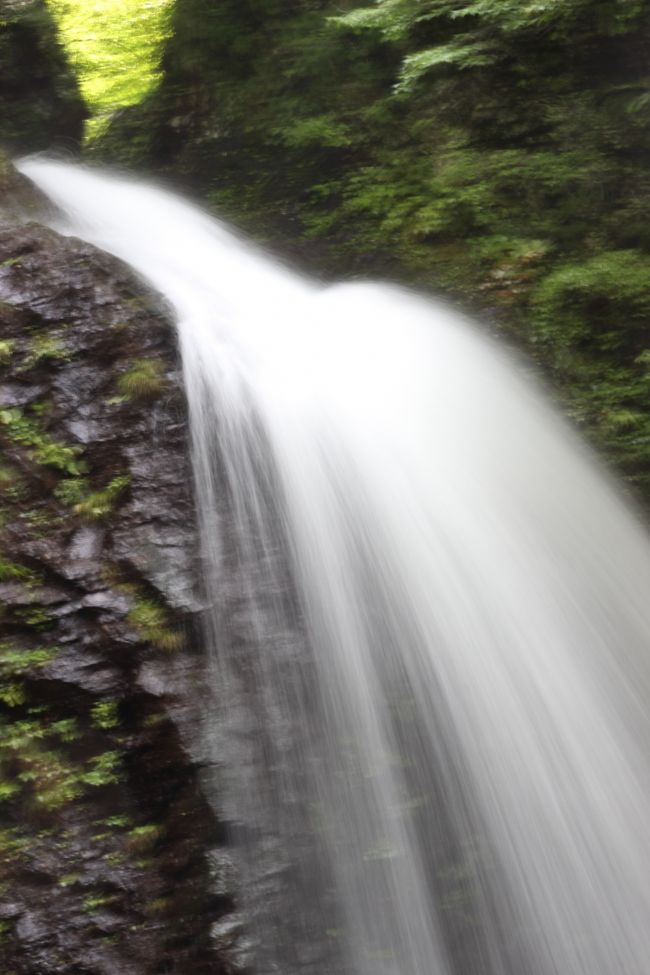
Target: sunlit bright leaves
point(115, 47)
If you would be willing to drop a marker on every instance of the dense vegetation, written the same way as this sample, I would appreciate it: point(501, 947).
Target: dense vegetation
point(491, 149)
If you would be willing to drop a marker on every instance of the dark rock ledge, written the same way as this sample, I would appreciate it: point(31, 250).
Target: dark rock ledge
point(109, 855)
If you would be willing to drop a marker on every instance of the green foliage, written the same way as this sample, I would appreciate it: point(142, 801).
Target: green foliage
point(12, 845)
point(37, 748)
point(35, 617)
point(15, 661)
point(142, 839)
point(600, 301)
point(94, 902)
point(99, 504)
point(105, 714)
point(7, 347)
point(397, 19)
point(153, 624)
point(324, 130)
point(69, 879)
point(71, 491)
point(24, 431)
point(12, 485)
point(116, 822)
point(104, 769)
point(14, 572)
point(43, 348)
point(465, 56)
point(145, 379)
point(12, 694)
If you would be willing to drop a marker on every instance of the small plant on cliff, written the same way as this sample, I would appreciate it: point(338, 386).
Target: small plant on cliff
point(145, 379)
point(71, 490)
point(14, 572)
point(96, 902)
point(153, 624)
point(105, 714)
point(23, 431)
point(7, 347)
point(103, 770)
point(99, 504)
point(12, 484)
point(143, 838)
point(15, 661)
point(44, 348)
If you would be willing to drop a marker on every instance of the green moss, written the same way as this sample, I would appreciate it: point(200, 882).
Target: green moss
point(16, 661)
point(12, 845)
point(12, 484)
point(12, 694)
point(95, 902)
point(43, 347)
point(25, 432)
point(71, 490)
point(35, 753)
point(51, 778)
point(40, 521)
point(145, 379)
point(69, 879)
point(144, 838)
point(8, 790)
point(152, 622)
point(36, 617)
point(105, 714)
point(99, 504)
point(116, 822)
point(104, 769)
point(14, 572)
point(7, 347)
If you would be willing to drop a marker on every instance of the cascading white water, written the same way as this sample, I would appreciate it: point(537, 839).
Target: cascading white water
point(430, 620)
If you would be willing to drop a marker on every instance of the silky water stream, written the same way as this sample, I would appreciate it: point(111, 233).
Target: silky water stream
point(429, 624)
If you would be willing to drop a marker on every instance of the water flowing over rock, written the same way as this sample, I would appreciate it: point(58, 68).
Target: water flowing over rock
point(428, 620)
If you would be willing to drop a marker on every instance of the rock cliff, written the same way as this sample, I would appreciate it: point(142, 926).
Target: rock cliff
point(40, 102)
point(110, 859)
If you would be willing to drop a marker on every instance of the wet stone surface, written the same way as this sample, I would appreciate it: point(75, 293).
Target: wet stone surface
point(109, 854)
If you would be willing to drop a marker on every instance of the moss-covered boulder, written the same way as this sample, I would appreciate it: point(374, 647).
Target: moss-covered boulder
point(40, 104)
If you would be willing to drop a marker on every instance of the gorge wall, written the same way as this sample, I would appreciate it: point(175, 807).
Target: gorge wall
point(40, 104)
point(110, 859)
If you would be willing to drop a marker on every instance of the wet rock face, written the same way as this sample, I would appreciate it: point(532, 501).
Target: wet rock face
point(40, 103)
point(107, 848)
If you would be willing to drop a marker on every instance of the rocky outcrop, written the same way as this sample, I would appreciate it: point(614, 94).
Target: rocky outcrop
point(109, 855)
point(40, 103)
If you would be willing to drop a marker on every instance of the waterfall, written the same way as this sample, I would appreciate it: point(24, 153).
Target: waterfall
point(428, 620)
